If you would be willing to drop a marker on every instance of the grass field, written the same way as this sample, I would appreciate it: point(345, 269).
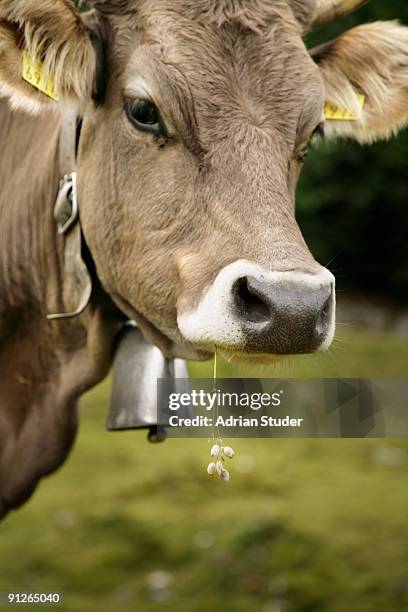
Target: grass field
point(304, 525)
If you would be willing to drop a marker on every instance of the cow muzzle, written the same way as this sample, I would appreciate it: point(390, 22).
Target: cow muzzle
point(254, 311)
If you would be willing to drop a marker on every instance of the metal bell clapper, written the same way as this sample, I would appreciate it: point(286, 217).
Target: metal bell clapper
point(137, 366)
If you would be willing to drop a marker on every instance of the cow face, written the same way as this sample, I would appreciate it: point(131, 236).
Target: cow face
point(189, 161)
point(195, 154)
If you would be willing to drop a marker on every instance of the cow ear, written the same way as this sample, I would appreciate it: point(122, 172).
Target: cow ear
point(46, 46)
point(365, 74)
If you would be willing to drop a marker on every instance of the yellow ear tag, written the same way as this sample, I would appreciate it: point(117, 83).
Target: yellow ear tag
point(335, 113)
point(34, 73)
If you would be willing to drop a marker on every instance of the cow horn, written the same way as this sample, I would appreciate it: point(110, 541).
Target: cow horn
point(329, 10)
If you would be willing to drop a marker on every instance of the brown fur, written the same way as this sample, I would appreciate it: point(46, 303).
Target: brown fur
point(45, 366)
point(329, 10)
point(240, 97)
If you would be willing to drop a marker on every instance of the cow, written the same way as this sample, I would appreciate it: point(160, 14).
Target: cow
point(193, 121)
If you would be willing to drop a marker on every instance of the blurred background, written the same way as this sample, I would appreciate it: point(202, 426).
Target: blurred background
point(352, 207)
point(304, 525)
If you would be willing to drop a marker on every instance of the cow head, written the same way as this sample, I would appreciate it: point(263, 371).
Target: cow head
point(197, 118)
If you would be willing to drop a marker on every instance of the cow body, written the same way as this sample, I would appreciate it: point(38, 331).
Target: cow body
point(45, 367)
point(196, 120)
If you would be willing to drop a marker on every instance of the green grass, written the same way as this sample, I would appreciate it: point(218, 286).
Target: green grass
point(304, 525)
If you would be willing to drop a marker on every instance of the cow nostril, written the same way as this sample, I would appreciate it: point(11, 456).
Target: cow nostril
point(250, 307)
point(324, 316)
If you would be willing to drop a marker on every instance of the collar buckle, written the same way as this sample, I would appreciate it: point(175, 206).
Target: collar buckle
point(66, 206)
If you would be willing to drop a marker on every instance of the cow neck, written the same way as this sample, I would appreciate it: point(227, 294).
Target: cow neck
point(45, 365)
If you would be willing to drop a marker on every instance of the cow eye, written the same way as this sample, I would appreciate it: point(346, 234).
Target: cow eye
point(145, 116)
point(317, 133)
